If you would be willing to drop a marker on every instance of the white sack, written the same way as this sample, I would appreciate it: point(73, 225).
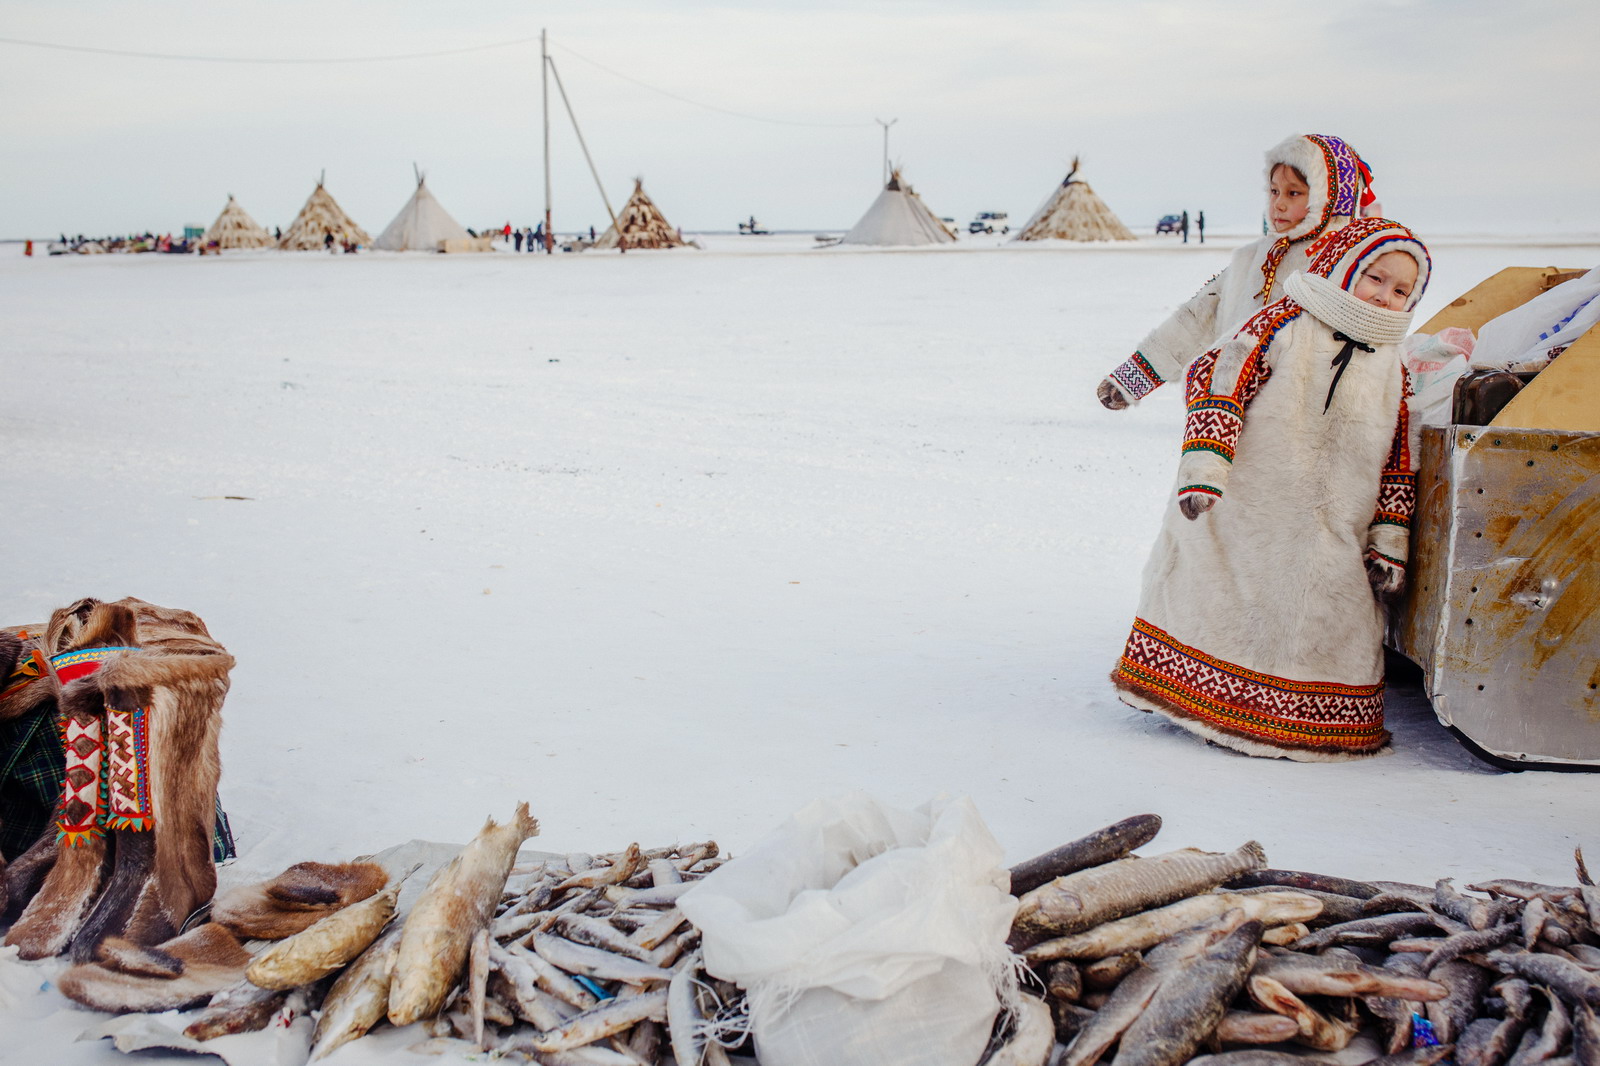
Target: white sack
point(1435, 361)
point(864, 934)
point(1552, 319)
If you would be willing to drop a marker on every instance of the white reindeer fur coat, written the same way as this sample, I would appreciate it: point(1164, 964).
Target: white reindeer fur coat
point(1254, 276)
point(1257, 625)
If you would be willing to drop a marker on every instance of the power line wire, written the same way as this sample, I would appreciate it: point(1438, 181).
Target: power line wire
point(708, 107)
point(278, 60)
point(263, 59)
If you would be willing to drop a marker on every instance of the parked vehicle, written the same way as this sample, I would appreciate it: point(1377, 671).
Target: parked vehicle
point(989, 221)
point(1170, 224)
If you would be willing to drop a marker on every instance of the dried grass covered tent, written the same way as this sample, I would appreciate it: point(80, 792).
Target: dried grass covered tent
point(234, 228)
point(640, 224)
point(423, 225)
point(1074, 213)
point(321, 216)
point(898, 217)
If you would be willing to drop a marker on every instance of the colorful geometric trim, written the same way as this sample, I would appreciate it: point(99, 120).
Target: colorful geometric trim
point(127, 776)
point(1344, 175)
point(26, 672)
point(1391, 560)
point(78, 815)
point(71, 665)
point(1397, 499)
point(1200, 490)
point(1136, 376)
point(1278, 711)
point(106, 784)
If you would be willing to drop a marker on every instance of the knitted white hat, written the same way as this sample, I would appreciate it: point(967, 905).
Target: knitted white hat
point(1337, 260)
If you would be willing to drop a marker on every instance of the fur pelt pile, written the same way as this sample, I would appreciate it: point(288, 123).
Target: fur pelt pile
point(137, 885)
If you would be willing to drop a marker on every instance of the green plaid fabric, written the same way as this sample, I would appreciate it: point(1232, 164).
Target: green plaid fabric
point(31, 768)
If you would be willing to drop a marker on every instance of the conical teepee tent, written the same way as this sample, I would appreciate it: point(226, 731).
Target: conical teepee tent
point(234, 228)
point(1075, 213)
point(319, 217)
point(423, 225)
point(898, 216)
point(640, 224)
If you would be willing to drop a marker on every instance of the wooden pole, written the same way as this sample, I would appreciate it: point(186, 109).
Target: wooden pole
point(584, 145)
point(544, 81)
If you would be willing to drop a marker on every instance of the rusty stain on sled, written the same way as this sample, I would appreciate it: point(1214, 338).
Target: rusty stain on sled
point(1503, 615)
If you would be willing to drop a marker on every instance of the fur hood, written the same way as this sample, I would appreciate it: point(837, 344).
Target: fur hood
point(1338, 178)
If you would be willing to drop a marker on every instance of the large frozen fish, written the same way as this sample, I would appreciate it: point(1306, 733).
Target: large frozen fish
point(1319, 975)
point(1190, 1002)
point(313, 953)
point(1141, 931)
point(1316, 1030)
point(1100, 894)
point(457, 903)
point(359, 997)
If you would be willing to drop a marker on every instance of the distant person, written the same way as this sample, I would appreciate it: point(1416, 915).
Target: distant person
point(506, 233)
point(1302, 204)
point(538, 235)
point(516, 238)
point(591, 234)
point(527, 238)
point(1184, 225)
point(327, 241)
point(1200, 224)
point(277, 233)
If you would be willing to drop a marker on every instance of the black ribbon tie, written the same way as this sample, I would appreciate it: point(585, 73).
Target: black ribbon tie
point(1341, 361)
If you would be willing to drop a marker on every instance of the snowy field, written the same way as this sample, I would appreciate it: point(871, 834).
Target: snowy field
point(669, 544)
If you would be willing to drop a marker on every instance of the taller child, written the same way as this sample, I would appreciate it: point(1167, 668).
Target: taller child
point(1316, 184)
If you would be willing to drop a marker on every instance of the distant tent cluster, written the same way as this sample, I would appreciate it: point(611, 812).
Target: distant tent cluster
point(1073, 213)
point(898, 218)
point(422, 225)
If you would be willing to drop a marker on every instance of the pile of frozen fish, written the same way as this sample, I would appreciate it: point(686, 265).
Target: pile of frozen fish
point(1178, 954)
point(580, 960)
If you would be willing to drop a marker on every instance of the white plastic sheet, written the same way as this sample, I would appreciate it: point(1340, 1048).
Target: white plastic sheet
point(1524, 335)
point(865, 935)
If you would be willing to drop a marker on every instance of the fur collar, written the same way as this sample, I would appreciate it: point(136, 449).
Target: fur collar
point(1331, 305)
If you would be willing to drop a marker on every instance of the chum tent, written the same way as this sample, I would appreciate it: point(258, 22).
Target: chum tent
point(640, 224)
point(899, 217)
point(1074, 213)
point(423, 225)
point(321, 216)
point(234, 228)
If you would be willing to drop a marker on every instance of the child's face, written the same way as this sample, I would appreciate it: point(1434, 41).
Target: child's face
point(1387, 282)
point(1288, 198)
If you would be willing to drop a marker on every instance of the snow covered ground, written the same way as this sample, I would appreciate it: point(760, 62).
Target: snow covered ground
point(669, 544)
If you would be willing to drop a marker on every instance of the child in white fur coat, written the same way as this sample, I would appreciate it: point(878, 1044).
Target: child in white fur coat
point(1316, 184)
point(1260, 624)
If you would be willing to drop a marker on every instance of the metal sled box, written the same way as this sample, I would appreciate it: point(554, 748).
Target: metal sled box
point(1505, 585)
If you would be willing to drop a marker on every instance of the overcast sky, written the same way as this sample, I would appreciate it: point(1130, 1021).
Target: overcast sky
point(1475, 116)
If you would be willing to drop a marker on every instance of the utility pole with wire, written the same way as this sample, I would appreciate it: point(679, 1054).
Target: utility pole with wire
point(544, 81)
point(886, 126)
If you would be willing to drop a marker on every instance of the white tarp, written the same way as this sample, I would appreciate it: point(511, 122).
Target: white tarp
point(1552, 319)
point(898, 217)
point(421, 225)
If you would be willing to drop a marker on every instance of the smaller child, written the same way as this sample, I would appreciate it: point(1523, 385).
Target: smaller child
point(1260, 623)
point(1316, 184)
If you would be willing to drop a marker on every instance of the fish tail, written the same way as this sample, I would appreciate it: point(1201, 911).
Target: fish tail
point(527, 824)
point(1254, 853)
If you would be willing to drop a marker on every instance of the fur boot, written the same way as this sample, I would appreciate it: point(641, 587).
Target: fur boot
point(296, 899)
point(138, 882)
point(183, 972)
